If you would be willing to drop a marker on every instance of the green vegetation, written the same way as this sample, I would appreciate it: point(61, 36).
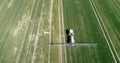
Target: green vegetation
point(79, 15)
point(110, 14)
point(29, 27)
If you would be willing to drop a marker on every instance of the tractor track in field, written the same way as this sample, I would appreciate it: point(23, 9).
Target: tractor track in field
point(31, 36)
point(25, 34)
point(50, 24)
point(22, 43)
point(105, 33)
point(63, 29)
point(60, 38)
point(37, 35)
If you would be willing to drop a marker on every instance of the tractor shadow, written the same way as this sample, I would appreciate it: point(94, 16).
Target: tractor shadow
point(67, 35)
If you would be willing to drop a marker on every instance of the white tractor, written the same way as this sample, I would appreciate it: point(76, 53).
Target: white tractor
point(71, 36)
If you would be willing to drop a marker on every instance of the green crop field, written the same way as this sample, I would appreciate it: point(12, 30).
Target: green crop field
point(34, 31)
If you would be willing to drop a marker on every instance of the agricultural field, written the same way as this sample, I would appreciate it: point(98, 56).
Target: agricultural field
point(28, 28)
